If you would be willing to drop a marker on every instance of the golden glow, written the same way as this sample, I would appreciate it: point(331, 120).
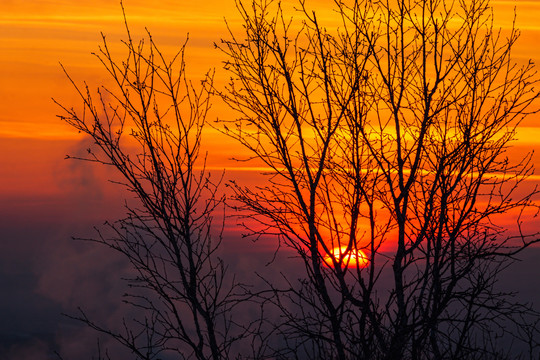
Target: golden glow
point(35, 35)
point(352, 258)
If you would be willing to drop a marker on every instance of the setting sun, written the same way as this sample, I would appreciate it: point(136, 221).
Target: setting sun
point(352, 258)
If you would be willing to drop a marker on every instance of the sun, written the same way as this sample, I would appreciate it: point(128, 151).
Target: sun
point(353, 258)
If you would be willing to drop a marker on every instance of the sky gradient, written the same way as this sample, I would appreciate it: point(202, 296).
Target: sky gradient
point(44, 199)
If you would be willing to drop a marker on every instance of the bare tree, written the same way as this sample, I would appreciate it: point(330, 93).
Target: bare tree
point(386, 137)
point(148, 126)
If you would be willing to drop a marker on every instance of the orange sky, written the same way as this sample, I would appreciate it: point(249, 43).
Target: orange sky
point(44, 199)
point(35, 35)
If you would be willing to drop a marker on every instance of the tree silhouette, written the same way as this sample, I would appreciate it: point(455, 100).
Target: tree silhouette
point(148, 126)
point(386, 141)
point(386, 136)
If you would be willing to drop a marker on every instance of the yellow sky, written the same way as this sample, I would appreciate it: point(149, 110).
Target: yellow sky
point(35, 35)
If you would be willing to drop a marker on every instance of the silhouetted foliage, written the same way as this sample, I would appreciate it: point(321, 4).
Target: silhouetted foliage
point(385, 136)
point(148, 125)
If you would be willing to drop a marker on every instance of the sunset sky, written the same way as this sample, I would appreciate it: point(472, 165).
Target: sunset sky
point(44, 199)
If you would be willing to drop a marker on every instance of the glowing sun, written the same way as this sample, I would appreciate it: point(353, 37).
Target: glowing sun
point(353, 258)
